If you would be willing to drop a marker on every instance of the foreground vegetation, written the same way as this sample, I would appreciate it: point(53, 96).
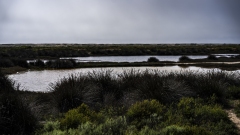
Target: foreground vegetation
point(133, 102)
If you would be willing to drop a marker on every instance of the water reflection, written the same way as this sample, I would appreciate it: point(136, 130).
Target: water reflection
point(130, 58)
point(40, 80)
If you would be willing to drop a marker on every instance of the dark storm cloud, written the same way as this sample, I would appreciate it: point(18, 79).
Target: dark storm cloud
point(119, 21)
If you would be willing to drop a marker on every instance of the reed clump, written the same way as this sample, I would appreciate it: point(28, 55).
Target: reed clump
point(106, 88)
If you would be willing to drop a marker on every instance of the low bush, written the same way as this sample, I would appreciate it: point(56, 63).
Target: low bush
point(20, 62)
point(16, 116)
point(189, 116)
point(184, 58)
point(237, 110)
point(61, 64)
point(140, 111)
point(113, 126)
point(39, 63)
point(162, 87)
point(73, 118)
point(110, 93)
point(51, 126)
point(207, 87)
point(71, 92)
point(6, 85)
point(211, 117)
point(6, 63)
point(212, 57)
point(153, 59)
point(233, 92)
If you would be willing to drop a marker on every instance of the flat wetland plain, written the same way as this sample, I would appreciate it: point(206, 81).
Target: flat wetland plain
point(15, 55)
point(130, 102)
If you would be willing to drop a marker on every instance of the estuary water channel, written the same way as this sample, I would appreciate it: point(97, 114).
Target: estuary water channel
point(130, 58)
point(40, 81)
point(174, 58)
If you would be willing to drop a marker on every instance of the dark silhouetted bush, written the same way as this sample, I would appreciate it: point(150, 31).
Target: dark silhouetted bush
point(6, 85)
point(184, 58)
point(212, 57)
point(153, 59)
point(71, 92)
point(39, 63)
point(110, 92)
point(233, 92)
point(6, 63)
point(61, 64)
point(16, 116)
point(20, 62)
point(162, 87)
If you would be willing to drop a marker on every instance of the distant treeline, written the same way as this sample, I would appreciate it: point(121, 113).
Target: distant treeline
point(73, 50)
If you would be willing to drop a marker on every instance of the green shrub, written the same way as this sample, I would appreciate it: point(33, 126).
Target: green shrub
point(194, 130)
point(51, 126)
point(237, 110)
point(138, 113)
point(113, 111)
point(233, 92)
point(187, 107)
point(73, 118)
point(206, 113)
point(148, 131)
point(89, 128)
point(199, 112)
point(131, 130)
point(211, 117)
point(173, 130)
point(222, 127)
point(114, 126)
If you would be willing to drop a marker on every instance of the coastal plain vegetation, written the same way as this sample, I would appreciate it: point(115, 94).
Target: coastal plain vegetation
point(13, 57)
point(132, 102)
point(77, 50)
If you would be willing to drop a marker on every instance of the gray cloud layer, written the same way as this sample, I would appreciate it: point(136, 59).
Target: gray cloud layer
point(119, 21)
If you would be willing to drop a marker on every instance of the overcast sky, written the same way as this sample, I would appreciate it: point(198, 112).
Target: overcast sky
point(119, 21)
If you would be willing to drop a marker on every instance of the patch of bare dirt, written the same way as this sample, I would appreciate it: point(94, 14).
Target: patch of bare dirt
point(233, 117)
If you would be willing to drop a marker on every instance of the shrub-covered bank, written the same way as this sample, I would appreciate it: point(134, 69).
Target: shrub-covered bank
point(78, 50)
point(133, 102)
